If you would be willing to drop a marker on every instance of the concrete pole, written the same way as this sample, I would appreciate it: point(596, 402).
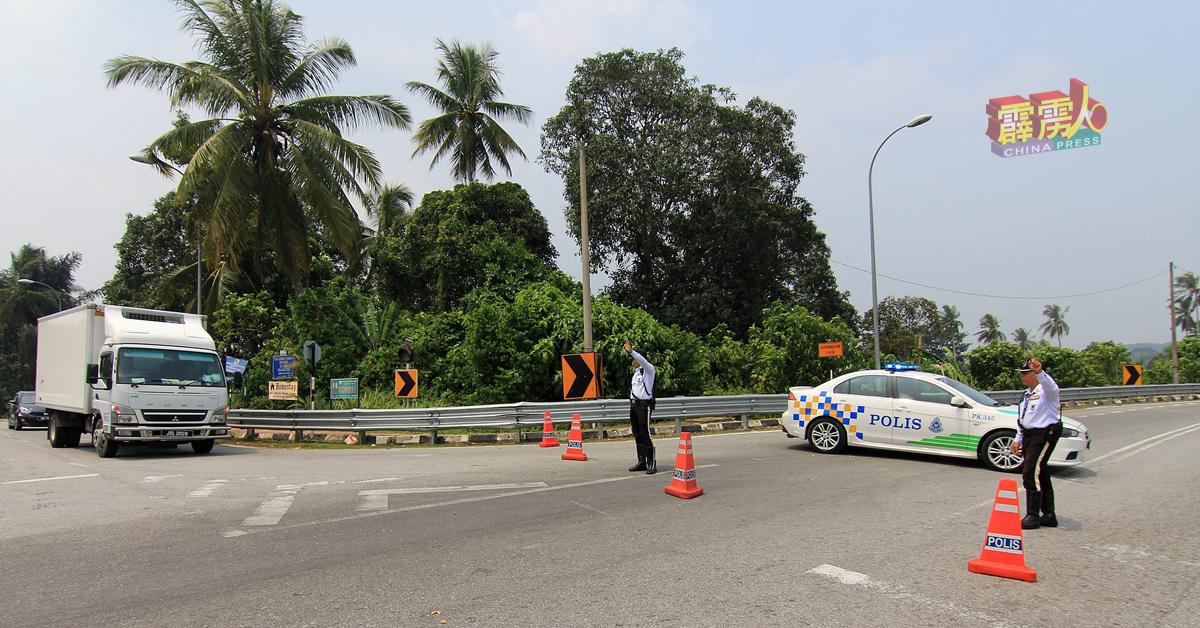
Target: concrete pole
point(1171, 309)
point(587, 270)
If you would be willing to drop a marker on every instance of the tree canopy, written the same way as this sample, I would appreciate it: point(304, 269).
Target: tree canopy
point(692, 200)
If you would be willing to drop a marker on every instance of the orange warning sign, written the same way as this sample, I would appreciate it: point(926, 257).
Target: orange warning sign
point(581, 376)
point(406, 383)
point(829, 349)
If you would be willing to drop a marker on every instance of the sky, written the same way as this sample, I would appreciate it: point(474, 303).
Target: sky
point(1093, 229)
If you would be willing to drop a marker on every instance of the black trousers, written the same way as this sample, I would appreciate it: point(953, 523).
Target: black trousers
point(1037, 445)
point(639, 420)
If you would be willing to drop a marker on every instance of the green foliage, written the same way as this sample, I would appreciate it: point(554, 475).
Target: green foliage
point(153, 247)
point(685, 191)
point(1108, 360)
point(245, 324)
point(993, 365)
point(1161, 370)
point(904, 324)
point(475, 236)
point(785, 349)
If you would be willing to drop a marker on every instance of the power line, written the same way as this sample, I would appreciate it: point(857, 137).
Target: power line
point(1000, 296)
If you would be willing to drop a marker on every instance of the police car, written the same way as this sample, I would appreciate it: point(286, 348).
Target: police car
point(908, 410)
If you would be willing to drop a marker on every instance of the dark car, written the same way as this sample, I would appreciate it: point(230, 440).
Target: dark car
point(23, 412)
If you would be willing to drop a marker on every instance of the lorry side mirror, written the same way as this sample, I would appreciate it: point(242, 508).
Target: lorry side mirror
point(93, 373)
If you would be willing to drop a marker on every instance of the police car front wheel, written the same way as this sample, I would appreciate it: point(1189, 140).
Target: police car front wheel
point(827, 436)
point(996, 452)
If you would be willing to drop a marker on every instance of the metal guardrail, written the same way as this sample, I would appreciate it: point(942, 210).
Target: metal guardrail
point(532, 414)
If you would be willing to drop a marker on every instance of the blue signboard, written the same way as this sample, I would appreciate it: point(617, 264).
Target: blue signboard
point(235, 365)
point(283, 366)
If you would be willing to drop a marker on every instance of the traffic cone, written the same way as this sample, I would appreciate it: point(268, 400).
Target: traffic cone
point(1004, 550)
point(683, 481)
point(575, 442)
point(548, 439)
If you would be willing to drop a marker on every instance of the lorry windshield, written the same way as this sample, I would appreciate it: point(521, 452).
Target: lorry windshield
point(168, 367)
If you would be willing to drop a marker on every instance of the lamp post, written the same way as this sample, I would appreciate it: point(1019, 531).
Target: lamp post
point(917, 121)
point(57, 294)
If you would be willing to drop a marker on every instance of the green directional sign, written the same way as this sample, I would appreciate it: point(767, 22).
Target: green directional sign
point(345, 388)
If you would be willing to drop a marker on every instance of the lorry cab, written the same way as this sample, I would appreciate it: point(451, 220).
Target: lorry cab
point(130, 375)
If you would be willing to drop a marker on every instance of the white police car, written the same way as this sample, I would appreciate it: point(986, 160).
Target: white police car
point(908, 410)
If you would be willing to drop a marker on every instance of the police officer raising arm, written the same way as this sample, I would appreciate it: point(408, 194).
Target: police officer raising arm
point(1039, 427)
point(641, 405)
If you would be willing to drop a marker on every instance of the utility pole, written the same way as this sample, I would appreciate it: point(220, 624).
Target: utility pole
point(1171, 309)
point(587, 266)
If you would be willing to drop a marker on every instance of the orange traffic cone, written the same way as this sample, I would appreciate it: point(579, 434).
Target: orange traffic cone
point(1003, 549)
point(548, 439)
point(575, 442)
point(683, 481)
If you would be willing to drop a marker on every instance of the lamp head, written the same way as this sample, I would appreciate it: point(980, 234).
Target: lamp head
point(26, 281)
point(919, 120)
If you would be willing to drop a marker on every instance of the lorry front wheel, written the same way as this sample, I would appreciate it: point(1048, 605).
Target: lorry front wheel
point(202, 446)
point(105, 446)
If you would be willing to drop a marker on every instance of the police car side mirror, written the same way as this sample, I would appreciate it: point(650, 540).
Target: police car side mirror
point(958, 402)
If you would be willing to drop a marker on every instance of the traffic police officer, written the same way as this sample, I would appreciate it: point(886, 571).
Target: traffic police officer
point(641, 405)
point(1039, 427)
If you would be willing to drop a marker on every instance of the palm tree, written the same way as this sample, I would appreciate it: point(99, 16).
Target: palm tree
point(467, 129)
point(1055, 325)
point(989, 330)
point(389, 204)
point(271, 160)
point(1187, 288)
point(951, 328)
point(24, 303)
point(1022, 339)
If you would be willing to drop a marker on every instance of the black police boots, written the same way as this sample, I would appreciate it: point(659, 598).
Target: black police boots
point(640, 466)
point(1033, 506)
point(651, 465)
point(1048, 519)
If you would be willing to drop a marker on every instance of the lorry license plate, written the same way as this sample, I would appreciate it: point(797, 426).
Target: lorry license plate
point(177, 433)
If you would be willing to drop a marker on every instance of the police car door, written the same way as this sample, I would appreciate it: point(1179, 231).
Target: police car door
point(868, 392)
point(923, 417)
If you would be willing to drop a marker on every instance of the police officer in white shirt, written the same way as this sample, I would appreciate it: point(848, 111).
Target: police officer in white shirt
point(641, 405)
point(1040, 426)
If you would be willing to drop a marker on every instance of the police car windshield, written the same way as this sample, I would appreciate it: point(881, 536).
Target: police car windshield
point(971, 393)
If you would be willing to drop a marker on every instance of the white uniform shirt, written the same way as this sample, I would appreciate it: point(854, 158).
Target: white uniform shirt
point(1039, 406)
point(643, 379)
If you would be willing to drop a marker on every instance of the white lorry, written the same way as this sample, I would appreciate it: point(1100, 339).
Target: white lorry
point(130, 375)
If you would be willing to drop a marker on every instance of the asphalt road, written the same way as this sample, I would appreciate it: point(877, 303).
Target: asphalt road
point(515, 536)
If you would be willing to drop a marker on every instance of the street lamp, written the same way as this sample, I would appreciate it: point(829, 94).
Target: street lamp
point(917, 121)
point(57, 294)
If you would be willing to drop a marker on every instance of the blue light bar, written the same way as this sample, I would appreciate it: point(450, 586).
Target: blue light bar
point(900, 367)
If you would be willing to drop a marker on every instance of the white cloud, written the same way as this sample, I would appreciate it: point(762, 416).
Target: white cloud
point(581, 28)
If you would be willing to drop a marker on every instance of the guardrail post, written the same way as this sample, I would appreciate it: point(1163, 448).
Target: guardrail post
point(251, 434)
point(433, 437)
point(745, 421)
point(299, 435)
point(599, 430)
point(362, 437)
point(678, 425)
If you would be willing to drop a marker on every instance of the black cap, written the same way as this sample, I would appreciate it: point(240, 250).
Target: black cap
point(640, 351)
point(1024, 368)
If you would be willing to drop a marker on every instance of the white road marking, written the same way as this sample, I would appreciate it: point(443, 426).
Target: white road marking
point(208, 489)
point(1160, 439)
point(158, 478)
point(897, 593)
point(271, 511)
point(540, 489)
point(378, 499)
point(80, 464)
point(61, 477)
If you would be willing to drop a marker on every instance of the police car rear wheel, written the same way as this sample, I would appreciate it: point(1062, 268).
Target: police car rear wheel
point(996, 452)
point(827, 436)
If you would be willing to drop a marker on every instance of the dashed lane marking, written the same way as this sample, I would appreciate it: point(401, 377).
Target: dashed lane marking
point(378, 499)
point(208, 489)
point(61, 477)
